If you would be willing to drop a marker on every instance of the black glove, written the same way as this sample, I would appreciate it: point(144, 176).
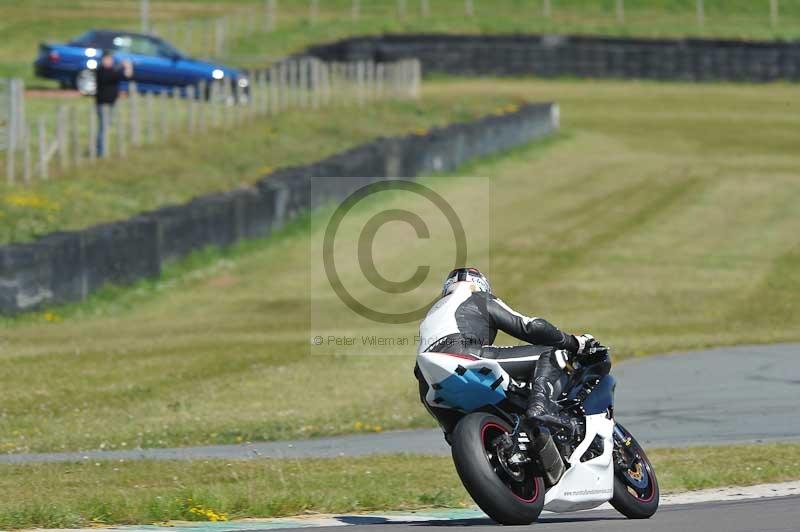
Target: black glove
point(589, 349)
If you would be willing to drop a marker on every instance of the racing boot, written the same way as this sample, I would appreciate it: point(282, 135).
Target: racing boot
point(541, 406)
point(542, 410)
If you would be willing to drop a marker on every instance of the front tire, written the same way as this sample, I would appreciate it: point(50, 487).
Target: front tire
point(511, 495)
point(636, 493)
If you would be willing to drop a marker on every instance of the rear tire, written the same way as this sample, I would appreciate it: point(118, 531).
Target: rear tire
point(636, 492)
point(507, 500)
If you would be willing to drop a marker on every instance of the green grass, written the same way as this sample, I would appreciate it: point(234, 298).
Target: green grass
point(104, 493)
point(190, 165)
point(24, 25)
point(667, 221)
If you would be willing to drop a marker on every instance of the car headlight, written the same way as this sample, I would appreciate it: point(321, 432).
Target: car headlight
point(90, 52)
point(91, 64)
point(217, 74)
point(243, 82)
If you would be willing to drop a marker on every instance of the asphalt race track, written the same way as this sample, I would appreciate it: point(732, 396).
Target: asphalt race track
point(778, 514)
point(719, 396)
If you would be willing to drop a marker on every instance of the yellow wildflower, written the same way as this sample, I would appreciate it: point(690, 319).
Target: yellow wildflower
point(208, 513)
point(31, 201)
point(52, 317)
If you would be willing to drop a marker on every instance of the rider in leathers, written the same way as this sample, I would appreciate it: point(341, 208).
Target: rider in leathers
point(466, 321)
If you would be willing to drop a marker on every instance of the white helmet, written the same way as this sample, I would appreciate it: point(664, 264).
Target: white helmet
point(466, 275)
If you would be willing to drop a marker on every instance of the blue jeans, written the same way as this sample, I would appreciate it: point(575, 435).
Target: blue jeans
point(101, 133)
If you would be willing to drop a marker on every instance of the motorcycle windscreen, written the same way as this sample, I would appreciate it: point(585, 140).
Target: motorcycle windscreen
point(601, 396)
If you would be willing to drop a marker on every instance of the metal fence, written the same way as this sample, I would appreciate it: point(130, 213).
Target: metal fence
point(74, 134)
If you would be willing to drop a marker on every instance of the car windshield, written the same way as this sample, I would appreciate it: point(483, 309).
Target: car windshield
point(126, 43)
point(143, 45)
point(95, 39)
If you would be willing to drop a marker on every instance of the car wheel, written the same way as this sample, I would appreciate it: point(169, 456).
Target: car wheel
point(86, 82)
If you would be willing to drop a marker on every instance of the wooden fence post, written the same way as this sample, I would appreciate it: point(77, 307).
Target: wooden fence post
point(370, 80)
point(380, 72)
point(620, 11)
point(283, 96)
point(416, 78)
point(271, 14)
point(26, 154)
point(773, 13)
point(272, 90)
point(61, 137)
point(133, 114)
point(316, 83)
point(188, 42)
point(42, 149)
point(361, 75)
point(325, 73)
point(313, 12)
point(219, 36)
point(105, 121)
point(122, 145)
point(251, 22)
point(469, 8)
point(547, 9)
point(305, 81)
point(202, 105)
point(74, 139)
point(263, 88)
point(11, 128)
point(163, 117)
point(425, 7)
point(150, 127)
point(92, 133)
point(293, 83)
point(355, 10)
point(191, 119)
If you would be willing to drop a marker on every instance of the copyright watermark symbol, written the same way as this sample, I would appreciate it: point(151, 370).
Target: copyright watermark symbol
point(378, 256)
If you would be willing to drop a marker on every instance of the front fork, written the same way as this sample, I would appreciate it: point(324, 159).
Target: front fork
point(624, 444)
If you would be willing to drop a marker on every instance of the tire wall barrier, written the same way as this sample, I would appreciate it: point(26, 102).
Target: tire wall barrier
point(581, 56)
point(68, 266)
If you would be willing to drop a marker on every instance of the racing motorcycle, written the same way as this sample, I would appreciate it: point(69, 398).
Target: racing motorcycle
point(514, 469)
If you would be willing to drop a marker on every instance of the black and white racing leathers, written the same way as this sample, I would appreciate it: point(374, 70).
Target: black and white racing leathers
point(466, 322)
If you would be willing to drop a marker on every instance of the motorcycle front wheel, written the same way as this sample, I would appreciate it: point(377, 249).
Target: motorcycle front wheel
point(510, 493)
point(636, 493)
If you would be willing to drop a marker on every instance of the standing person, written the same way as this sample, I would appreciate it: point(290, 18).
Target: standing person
point(108, 77)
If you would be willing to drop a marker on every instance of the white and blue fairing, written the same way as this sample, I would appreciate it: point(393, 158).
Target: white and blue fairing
point(462, 382)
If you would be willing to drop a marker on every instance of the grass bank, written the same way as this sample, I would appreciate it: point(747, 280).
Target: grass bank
point(663, 218)
point(186, 166)
point(104, 493)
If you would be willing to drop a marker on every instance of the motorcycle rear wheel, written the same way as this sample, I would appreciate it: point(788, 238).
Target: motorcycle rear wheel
point(509, 494)
point(636, 493)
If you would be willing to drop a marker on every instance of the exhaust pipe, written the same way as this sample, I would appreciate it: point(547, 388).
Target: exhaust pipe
point(552, 464)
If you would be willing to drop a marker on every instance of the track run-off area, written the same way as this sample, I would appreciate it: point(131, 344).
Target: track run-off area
point(728, 395)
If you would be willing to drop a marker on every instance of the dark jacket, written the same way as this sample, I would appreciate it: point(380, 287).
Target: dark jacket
point(108, 84)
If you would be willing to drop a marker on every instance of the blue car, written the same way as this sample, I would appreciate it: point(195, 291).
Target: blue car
point(156, 64)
